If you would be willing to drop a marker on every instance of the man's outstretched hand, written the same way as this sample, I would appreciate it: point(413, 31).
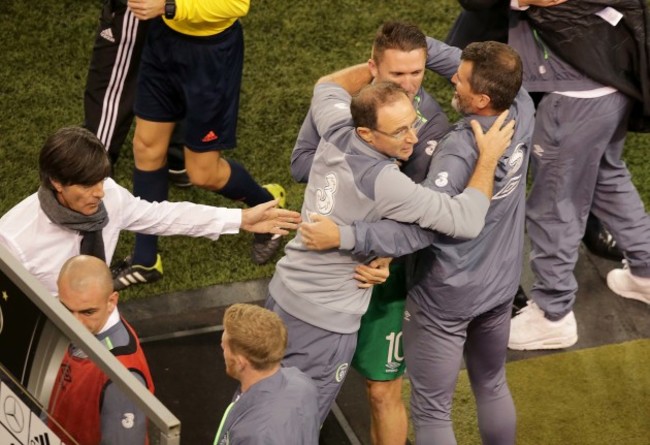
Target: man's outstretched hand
point(266, 218)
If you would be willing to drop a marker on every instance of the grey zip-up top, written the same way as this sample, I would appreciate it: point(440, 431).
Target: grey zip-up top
point(279, 410)
point(351, 181)
point(455, 278)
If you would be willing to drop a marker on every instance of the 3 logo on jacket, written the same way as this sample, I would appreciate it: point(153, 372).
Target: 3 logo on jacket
point(431, 147)
point(128, 420)
point(442, 180)
point(325, 195)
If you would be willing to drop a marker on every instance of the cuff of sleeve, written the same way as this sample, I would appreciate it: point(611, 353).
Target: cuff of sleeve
point(348, 240)
point(231, 221)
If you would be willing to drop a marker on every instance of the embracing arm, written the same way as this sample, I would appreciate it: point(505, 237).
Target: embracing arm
point(451, 166)
point(326, 109)
point(304, 150)
point(351, 79)
point(463, 215)
point(386, 238)
point(330, 105)
point(442, 58)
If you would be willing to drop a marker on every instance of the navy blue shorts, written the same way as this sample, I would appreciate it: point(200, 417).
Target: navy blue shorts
point(195, 78)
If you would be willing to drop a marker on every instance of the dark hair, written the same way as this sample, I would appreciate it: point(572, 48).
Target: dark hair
point(397, 35)
point(496, 72)
point(365, 104)
point(73, 156)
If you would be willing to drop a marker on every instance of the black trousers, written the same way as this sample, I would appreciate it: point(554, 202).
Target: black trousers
point(112, 79)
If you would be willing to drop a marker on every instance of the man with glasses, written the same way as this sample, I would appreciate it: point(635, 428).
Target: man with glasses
point(355, 176)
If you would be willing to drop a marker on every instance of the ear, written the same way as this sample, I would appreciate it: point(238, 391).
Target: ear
point(482, 101)
point(57, 185)
point(365, 134)
point(241, 361)
point(112, 301)
point(373, 67)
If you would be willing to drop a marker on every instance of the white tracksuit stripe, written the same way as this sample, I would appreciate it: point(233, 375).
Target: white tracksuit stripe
point(118, 75)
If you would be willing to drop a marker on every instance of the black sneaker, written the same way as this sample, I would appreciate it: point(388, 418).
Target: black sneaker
point(599, 241)
point(520, 301)
point(265, 245)
point(126, 274)
point(179, 178)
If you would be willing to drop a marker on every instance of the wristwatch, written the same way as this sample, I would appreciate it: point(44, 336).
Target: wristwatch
point(170, 9)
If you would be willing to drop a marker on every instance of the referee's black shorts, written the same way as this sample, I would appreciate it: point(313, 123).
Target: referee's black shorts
point(195, 78)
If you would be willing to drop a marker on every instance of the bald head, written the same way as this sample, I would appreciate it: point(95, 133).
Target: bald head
point(86, 288)
point(81, 271)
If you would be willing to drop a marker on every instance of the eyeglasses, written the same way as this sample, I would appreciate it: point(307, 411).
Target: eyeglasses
point(415, 127)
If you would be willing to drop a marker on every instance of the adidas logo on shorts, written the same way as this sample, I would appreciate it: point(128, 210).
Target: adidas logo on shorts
point(108, 35)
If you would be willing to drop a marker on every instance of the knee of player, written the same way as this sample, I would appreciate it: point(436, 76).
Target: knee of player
point(209, 177)
point(148, 153)
point(385, 394)
point(490, 389)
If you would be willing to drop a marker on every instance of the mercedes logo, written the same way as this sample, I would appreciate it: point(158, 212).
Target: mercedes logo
point(13, 414)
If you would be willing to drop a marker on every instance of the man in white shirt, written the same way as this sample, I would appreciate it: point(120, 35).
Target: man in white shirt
point(79, 209)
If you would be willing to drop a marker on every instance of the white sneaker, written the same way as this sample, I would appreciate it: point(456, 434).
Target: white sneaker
point(529, 330)
point(623, 283)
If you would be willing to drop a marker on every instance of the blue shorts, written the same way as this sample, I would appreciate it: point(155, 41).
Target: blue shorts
point(195, 78)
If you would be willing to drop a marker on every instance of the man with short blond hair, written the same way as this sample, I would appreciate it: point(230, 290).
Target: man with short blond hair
point(273, 405)
point(256, 333)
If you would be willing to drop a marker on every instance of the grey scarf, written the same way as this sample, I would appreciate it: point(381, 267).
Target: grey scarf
point(90, 227)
